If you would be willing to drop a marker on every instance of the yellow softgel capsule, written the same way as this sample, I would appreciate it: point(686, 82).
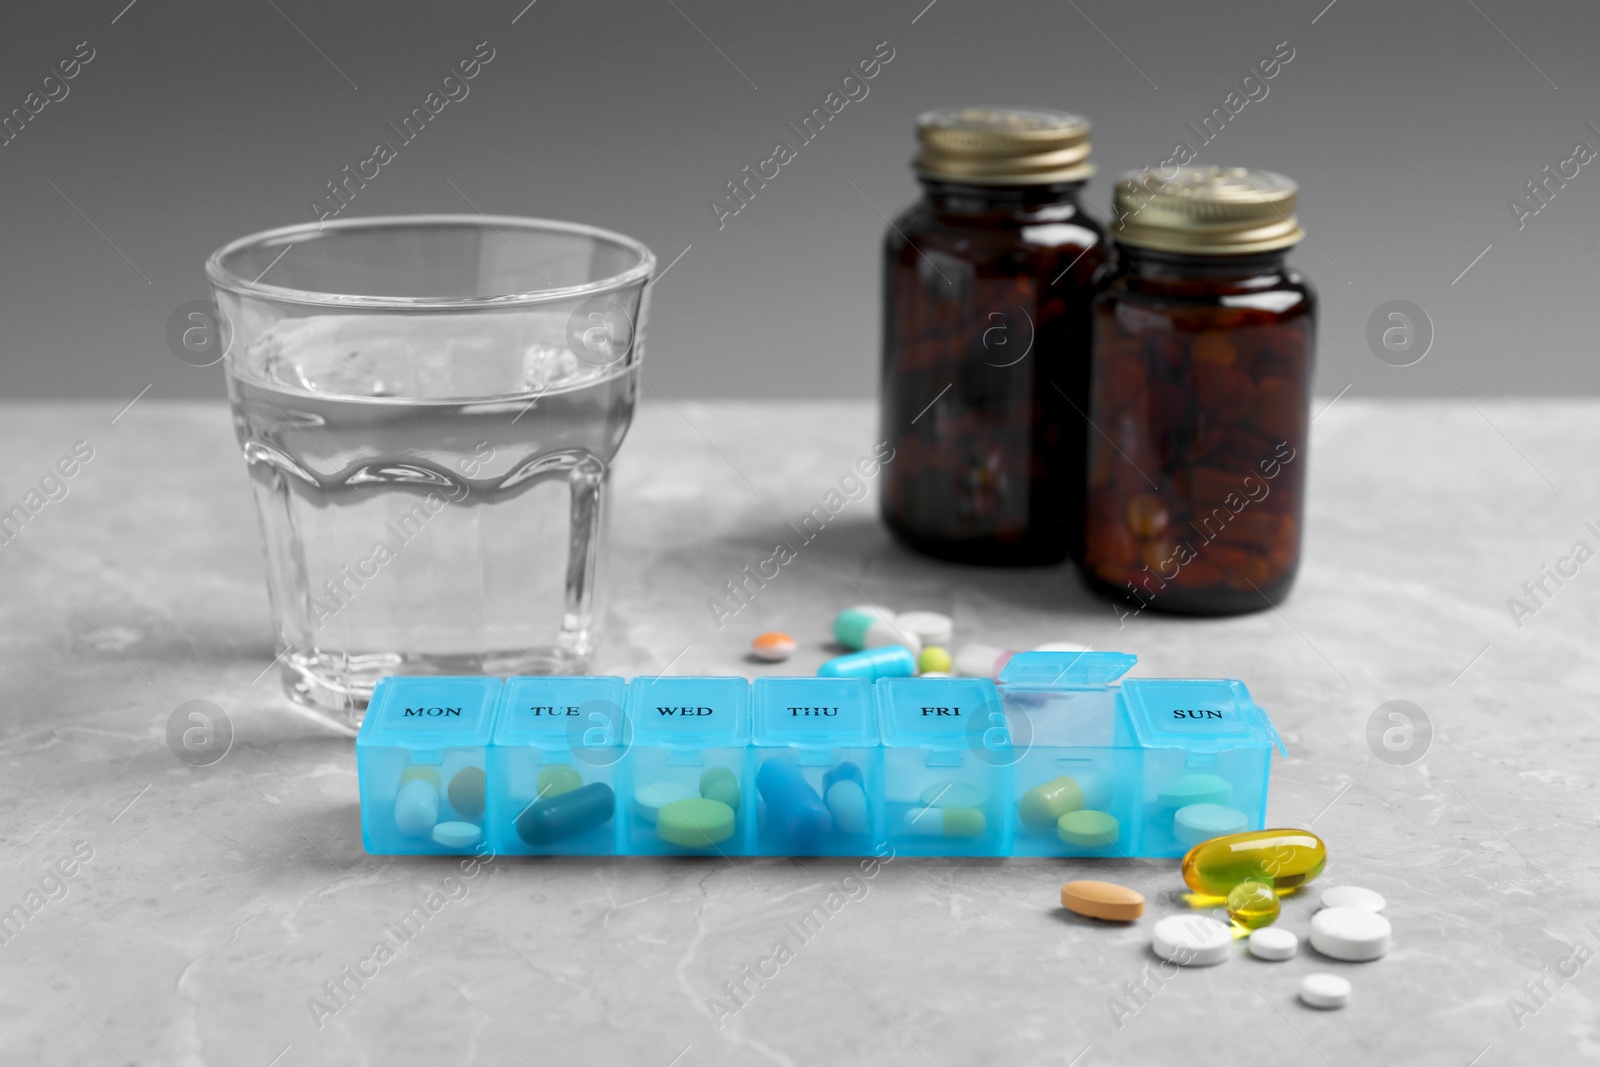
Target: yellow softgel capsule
point(1283, 859)
point(1253, 905)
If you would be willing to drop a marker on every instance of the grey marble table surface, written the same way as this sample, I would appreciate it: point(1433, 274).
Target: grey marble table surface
point(166, 914)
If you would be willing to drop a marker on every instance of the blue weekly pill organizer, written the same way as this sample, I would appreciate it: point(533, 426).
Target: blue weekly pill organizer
point(1060, 757)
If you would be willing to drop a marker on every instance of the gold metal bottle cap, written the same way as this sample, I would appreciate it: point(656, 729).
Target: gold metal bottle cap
point(1207, 210)
point(1003, 146)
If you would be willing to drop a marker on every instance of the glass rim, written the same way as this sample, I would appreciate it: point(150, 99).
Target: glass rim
point(224, 278)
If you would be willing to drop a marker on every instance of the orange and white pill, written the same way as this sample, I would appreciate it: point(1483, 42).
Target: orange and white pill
point(773, 646)
point(1103, 900)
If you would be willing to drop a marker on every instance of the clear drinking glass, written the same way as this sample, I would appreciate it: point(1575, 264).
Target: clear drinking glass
point(429, 407)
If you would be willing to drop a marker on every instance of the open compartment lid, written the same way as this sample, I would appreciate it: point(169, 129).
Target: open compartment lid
point(1066, 670)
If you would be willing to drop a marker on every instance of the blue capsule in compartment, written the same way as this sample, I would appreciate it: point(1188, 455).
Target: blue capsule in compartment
point(817, 759)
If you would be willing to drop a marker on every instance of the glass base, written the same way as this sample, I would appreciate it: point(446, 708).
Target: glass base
point(335, 688)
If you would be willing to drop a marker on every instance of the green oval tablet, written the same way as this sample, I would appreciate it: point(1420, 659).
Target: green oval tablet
point(466, 791)
point(1043, 805)
point(424, 774)
point(695, 823)
point(557, 779)
point(722, 785)
point(1088, 828)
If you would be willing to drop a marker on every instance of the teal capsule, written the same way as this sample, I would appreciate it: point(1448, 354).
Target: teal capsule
point(567, 814)
point(886, 661)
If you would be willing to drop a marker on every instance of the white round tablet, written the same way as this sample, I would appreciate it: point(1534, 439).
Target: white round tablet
point(1325, 991)
point(886, 632)
point(978, 661)
point(1195, 823)
point(1191, 940)
point(1353, 896)
point(1273, 943)
point(650, 797)
point(1062, 646)
point(1349, 934)
point(929, 627)
point(456, 834)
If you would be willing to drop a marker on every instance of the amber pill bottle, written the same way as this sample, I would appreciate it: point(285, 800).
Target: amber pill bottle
point(987, 280)
point(1200, 387)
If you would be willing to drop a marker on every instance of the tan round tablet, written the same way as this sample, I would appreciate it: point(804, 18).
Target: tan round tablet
point(1102, 900)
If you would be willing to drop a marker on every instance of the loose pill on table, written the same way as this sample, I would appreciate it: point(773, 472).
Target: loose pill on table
point(842, 772)
point(1189, 789)
point(422, 774)
point(933, 660)
point(890, 661)
point(695, 823)
point(774, 647)
point(1353, 896)
point(722, 785)
point(457, 834)
point(416, 807)
point(1273, 943)
point(1349, 934)
point(847, 803)
point(1325, 990)
point(980, 661)
point(557, 779)
point(793, 808)
point(651, 797)
point(1194, 823)
point(885, 632)
point(466, 791)
point(850, 625)
point(945, 822)
point(1088, 828)
point(953, 795)
point(929, 627)
point(1191, 940)
point(1284, 859)
point(1061, 646)
point(1103, 900)
point(1043, 805)
point(565, 814)
point(1253, 904)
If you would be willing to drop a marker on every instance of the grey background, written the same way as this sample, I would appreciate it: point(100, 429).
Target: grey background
point(1408, 127)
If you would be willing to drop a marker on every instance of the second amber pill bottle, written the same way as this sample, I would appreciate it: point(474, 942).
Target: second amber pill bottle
point(1200, 385)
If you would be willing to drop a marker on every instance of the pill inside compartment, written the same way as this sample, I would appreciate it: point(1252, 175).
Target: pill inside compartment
point(686, 784)
point(1207, 755)
point(421, 757)
point(817, 767)
point(947, 757)
point(553, 766)
point(1076, 773)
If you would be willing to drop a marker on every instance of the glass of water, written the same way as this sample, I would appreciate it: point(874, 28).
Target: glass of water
point(429, 407)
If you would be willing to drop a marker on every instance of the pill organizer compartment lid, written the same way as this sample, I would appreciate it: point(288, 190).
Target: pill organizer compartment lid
point(1197, 714)
point(562, 713)
point(817, 713)
point(689, 712)
point(948, 714)
point(430, 712)
point(1052, 670)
